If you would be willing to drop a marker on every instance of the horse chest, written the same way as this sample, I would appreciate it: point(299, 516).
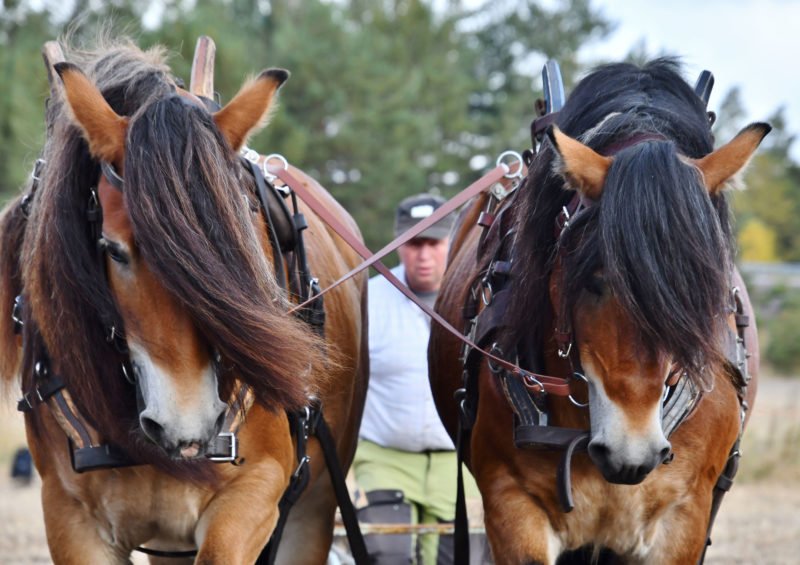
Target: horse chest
point(133, 505)
point(628, 519)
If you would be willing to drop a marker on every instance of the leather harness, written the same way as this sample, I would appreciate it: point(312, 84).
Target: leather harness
point(484, 314)
point(87, 450)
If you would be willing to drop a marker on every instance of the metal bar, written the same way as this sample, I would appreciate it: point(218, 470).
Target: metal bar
point(420, 529)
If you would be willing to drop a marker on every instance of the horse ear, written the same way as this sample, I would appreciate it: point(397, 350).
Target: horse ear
point(249, 109)
point(102, 128)
point(722, 165)
point(583, 168)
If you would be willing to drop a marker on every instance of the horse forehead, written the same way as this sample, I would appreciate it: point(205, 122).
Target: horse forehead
point(116, 222)
point(611, 337)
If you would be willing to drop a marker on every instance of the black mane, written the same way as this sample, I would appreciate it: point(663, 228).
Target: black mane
point(664, 245)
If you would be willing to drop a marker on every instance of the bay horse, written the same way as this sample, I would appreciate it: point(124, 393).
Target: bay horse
point(154, 322)
point(611, 267)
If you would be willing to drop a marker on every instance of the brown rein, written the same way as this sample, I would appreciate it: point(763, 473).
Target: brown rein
point(535, 382)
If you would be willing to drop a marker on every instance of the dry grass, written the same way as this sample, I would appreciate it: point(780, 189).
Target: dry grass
point(770, 445)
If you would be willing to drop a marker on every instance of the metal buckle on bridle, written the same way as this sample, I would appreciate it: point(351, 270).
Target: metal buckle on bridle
point(249, 154)
point(564, 354)
point(576, 376)
point(305, 460)
point(735, 297)
point(37, 170)
point(232, 448)
point(16, 314)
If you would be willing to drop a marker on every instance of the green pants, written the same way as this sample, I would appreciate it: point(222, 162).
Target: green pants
point(427, 479)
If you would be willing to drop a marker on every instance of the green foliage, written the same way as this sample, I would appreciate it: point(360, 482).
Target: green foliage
point(772, 181)
point(783, 346)
point(386, 99)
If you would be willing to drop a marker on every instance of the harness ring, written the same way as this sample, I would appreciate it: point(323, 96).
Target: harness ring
point(517, 158)
point(265, 169)
point(578, 377)
point(497, 352)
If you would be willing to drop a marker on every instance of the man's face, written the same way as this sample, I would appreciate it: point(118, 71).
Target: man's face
point(424, 261)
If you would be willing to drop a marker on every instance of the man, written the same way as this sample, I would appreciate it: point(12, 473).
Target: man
point(405, 462)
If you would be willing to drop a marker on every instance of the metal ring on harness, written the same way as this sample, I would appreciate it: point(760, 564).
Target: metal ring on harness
point(265, 168)
point(487, 292)
point(497, 352)
point(579, 377)
point(533, 383)
point(509, 175)
point(130, 378)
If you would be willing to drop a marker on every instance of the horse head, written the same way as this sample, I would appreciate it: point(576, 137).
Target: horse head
point(643, 285)
point(150, 244)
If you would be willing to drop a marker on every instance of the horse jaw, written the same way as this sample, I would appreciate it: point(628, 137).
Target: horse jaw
point(180, 417)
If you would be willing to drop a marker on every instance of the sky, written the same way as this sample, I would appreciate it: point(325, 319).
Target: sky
point(754, 44)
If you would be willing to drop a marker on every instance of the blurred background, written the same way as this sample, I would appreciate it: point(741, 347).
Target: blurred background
point(392, 97)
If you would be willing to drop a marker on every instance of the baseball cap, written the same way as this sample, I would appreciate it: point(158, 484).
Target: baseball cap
point(414, 209)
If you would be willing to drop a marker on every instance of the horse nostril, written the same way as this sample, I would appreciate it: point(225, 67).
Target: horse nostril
point(152, 429)
point(599, 452)
point(666, 455)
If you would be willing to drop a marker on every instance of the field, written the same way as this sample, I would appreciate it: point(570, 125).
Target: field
point(759, 523)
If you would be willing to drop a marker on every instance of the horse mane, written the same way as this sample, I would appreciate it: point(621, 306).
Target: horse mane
point(183, 192)
point(665, 246)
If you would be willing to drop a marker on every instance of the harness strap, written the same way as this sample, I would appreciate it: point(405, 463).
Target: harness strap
point(550, 384)
point(461, 524)
point(564, 473)
point(261, 192)
point(311, 422)
point(348, 511)
point(301, 424)
point(738, 358)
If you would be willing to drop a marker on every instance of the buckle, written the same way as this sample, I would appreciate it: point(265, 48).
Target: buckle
point(25, 404)
point(303, 462)
point(228, 452)
point(16, 315)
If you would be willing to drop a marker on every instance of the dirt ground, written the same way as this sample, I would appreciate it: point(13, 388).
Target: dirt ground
point(759, 523)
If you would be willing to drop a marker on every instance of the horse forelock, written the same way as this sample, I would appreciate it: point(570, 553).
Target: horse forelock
point(664, 253)
point(184, 191)
point(665, 246)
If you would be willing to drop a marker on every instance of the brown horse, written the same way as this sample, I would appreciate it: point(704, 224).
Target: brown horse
point(144, 264)
point(610, 266)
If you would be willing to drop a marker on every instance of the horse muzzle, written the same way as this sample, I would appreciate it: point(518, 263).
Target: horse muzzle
point(177, 442)
point(628, 466)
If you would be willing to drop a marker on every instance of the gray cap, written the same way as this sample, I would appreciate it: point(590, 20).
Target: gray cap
point(414, 209)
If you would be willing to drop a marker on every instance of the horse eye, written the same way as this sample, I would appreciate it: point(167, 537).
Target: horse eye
point(114, 250)
point(596, 285)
